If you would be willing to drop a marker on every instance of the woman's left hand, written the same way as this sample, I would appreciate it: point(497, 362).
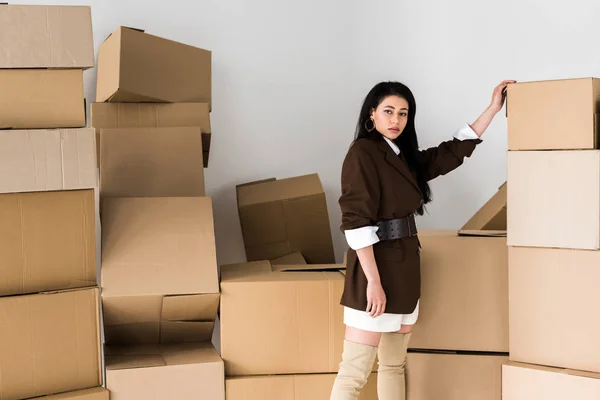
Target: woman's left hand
point(499, 95)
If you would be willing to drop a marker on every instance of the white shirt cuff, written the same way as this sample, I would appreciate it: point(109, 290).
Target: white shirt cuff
point(466, 132)
point(362, 237)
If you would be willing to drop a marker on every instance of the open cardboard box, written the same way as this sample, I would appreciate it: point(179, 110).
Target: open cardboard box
point(464, 284)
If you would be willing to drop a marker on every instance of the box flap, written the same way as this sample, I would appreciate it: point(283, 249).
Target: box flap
point(491, 216)
point(200, 307)
point(126, 357)
point(186, 331)
point(264, 271)
point(46, 37)
point(158, 246)
point(277, 190)
point(290, 259)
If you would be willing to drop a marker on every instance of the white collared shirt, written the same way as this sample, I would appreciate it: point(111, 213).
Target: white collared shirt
point(366, 236)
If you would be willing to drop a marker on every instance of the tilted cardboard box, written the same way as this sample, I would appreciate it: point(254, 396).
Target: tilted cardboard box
point(279, 217)
point(159, 270)
point(134, 67)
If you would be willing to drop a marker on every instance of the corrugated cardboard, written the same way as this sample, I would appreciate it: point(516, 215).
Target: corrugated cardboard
point(159, 269)
point(48, 241)
point(530, 382)
point(491, 216)
point(534, 123)
point(454, 376)
point(98, 393)
point(42, 160)
point(134, 66)
point(283, 319)
point(46, 37)
point(464, 293)
point(290, 387)
point(154, 115)
point(41, 98)
point(49, 343)
point(279, 217)
point(554, 199)
point(554, 299)
point(151, 162)
point(182, 372)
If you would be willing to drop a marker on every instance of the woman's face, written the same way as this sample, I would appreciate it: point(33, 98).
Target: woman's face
point(390, 116)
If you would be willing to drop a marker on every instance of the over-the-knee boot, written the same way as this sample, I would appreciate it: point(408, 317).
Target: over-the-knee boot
point(391, 381)
point(355, 368)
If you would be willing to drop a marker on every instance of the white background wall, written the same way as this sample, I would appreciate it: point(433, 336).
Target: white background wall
point(289, 77)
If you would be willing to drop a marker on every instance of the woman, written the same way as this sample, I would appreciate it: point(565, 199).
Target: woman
point(384, 183)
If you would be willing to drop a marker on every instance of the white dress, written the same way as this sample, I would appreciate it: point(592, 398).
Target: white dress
point(367, 236)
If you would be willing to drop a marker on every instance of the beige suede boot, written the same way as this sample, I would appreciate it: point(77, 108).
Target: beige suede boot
point(391, 381)
point(355, 368)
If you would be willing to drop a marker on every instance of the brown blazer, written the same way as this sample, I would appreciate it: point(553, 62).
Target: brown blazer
point(378, 185)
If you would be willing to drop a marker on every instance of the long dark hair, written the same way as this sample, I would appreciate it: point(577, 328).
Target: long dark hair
point(407, 141)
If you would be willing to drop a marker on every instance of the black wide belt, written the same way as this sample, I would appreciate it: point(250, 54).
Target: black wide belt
point(397, 228)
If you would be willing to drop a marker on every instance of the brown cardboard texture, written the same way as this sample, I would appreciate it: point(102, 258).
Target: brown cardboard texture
point(290, 387)
point(464, 293)
point(43, 160)
point(454, 376)
point(159, 269)
point(154, 115)
point(283, 319)
point(544, 286)
point(98, 393)
point(531, 382)
point(554, 198)
point(48, 241)
point(491, 216)
point(49, 343)
point(151, 162)
point(180, 371)
point(532, 125)
point(46, 37)
point(279, 217)
point(134, 66)
point(41, 98)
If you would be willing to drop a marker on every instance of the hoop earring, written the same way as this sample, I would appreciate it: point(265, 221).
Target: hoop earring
point(367, 125)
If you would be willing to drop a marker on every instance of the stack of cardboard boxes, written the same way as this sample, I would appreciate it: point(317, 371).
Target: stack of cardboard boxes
point(159, 270)
point(282, 328)
point(460, 341)
point(554, 240)
point(49, 299)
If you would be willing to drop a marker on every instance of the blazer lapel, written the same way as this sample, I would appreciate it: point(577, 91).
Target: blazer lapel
point(398, 163)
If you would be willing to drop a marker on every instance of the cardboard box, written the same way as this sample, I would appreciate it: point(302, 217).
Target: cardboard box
point(432, 376)
point(279, 217)
point(290, 387)
point(43, 160)
point(49, 343)
point(281, 319)
point(464, 284)
point(464, 293)
point(553, 298)
point(159, 270)
point(553, 199)
point(530, 382)
point(46, 37)
point(181, 371)
point(98, 393)
point(48, 241)
point(154, 115)
point(41, 98)
point(151, 162)
point(535, 123)
point(134, 66)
